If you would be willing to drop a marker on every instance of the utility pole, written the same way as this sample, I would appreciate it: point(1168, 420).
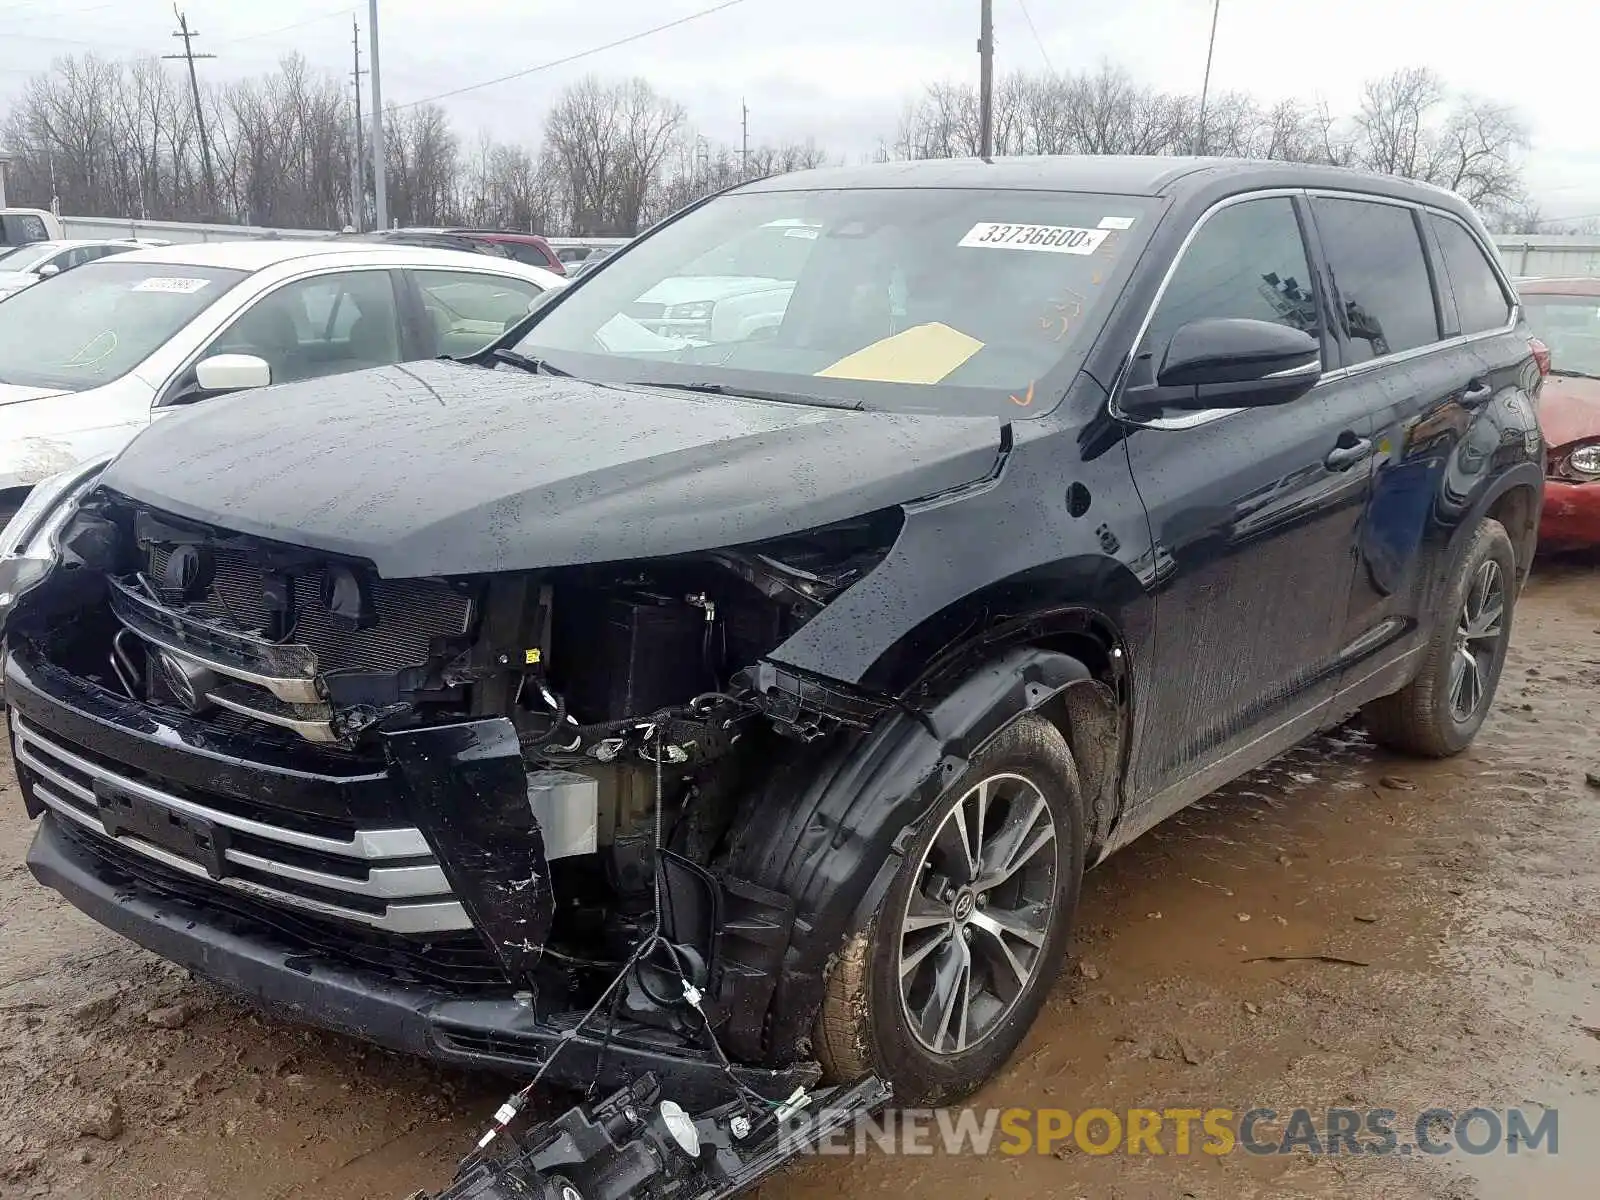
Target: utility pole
point(1205, 87)
point(358, 175)
point(986, 82)
point(744, 151)
point(188, 35)
point(380, 180)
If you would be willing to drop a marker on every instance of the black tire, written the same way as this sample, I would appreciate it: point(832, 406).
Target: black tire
point(1429, 717)
point(865, 1025)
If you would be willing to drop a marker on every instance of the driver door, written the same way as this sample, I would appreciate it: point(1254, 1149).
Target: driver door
point(1258, 509)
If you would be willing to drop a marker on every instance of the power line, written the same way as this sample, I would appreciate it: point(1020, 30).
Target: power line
point(1037, 40)
point(250, 37)
point(561, 62)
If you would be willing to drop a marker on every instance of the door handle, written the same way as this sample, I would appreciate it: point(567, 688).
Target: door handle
point(1478, 389)
point(1349, 450)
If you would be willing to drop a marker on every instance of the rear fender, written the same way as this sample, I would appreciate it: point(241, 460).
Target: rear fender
point(1528, 476)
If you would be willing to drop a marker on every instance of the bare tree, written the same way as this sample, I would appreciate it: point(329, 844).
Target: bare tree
point(286, 150)
point(423, 165)
point(1409, 125)
point(122, 139)
point(610, 144)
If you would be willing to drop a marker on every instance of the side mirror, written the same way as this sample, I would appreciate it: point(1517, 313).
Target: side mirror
point(46, 271)
point(1230, 362)
point(232, 373)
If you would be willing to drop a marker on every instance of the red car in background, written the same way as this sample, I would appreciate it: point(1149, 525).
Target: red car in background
point(1565, 315)
point(527, 248)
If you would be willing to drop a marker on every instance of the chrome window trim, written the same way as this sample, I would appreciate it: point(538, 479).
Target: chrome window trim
point(1206, 416)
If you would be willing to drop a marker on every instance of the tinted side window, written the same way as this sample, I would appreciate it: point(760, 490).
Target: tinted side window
point(1380, 276)
point(524, 252)
point(1480, 301)
point(1248, 260)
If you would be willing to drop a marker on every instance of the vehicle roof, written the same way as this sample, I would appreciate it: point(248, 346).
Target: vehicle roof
point(1574, 285)
point(55, 244)
point(501, 234)
point(1112, 174)
point(259, 255)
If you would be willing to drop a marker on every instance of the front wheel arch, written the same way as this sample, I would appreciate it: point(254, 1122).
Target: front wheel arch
point(830, 825)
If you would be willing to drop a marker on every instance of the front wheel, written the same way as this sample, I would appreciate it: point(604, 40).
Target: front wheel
point(1440, 711)
point(939, 988)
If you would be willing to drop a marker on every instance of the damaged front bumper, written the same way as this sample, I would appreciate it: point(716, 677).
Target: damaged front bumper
point(227, 857)
point(283, 974)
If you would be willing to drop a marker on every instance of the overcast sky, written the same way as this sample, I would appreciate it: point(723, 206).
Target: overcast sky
point(840, 70)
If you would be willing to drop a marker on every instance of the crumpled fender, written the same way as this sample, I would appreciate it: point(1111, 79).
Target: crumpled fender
point(830, 833)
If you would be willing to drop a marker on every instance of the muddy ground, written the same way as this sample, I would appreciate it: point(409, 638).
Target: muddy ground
point(1469, 889)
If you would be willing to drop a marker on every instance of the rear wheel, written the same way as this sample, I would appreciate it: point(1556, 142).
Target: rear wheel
point(940, 986)
point(1440, 711)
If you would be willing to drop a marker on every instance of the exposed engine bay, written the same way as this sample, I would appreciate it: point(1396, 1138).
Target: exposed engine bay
point(636, 696)
point(637, 692)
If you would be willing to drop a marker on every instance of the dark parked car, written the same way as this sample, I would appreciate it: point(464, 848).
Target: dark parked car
point(527, 248)
point(643, 700)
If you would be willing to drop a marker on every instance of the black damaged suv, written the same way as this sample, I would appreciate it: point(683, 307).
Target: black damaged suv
point(746, 657)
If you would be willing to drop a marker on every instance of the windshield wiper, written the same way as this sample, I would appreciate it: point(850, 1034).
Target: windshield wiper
point(537, 366)
point(722, 389)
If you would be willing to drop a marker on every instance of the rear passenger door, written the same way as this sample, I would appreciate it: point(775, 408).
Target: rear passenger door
point(1424, 384)
point(1258, 510)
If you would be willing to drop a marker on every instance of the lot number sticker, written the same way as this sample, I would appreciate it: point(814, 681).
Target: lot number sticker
point(171, 283)
point(1052, 239)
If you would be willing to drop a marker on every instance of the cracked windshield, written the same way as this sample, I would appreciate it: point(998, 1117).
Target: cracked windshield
point(958, 301)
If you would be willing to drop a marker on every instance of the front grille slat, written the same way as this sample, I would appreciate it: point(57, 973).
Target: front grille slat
point(398, 886)
point(456, 960)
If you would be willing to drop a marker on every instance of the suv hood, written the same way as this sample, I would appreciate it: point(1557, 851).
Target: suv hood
point(441, 468)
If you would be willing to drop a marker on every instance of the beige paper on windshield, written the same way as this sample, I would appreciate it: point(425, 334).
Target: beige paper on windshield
point(922, 354)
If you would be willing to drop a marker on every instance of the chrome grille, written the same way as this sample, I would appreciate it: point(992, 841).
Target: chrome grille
point(411, 613)
point(386, 879)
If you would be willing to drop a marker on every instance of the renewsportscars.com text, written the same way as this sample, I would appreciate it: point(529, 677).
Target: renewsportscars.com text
point(1187, 1131)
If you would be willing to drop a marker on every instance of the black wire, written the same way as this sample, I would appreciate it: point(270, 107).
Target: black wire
point(534, 741)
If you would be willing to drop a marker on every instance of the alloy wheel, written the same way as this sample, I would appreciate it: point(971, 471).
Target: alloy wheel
point(980, 911)
point(1478, 636)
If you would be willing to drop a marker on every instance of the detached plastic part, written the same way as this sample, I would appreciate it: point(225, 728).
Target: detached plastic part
point(805, 708)
point(567, 807)
point(634, 1145)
